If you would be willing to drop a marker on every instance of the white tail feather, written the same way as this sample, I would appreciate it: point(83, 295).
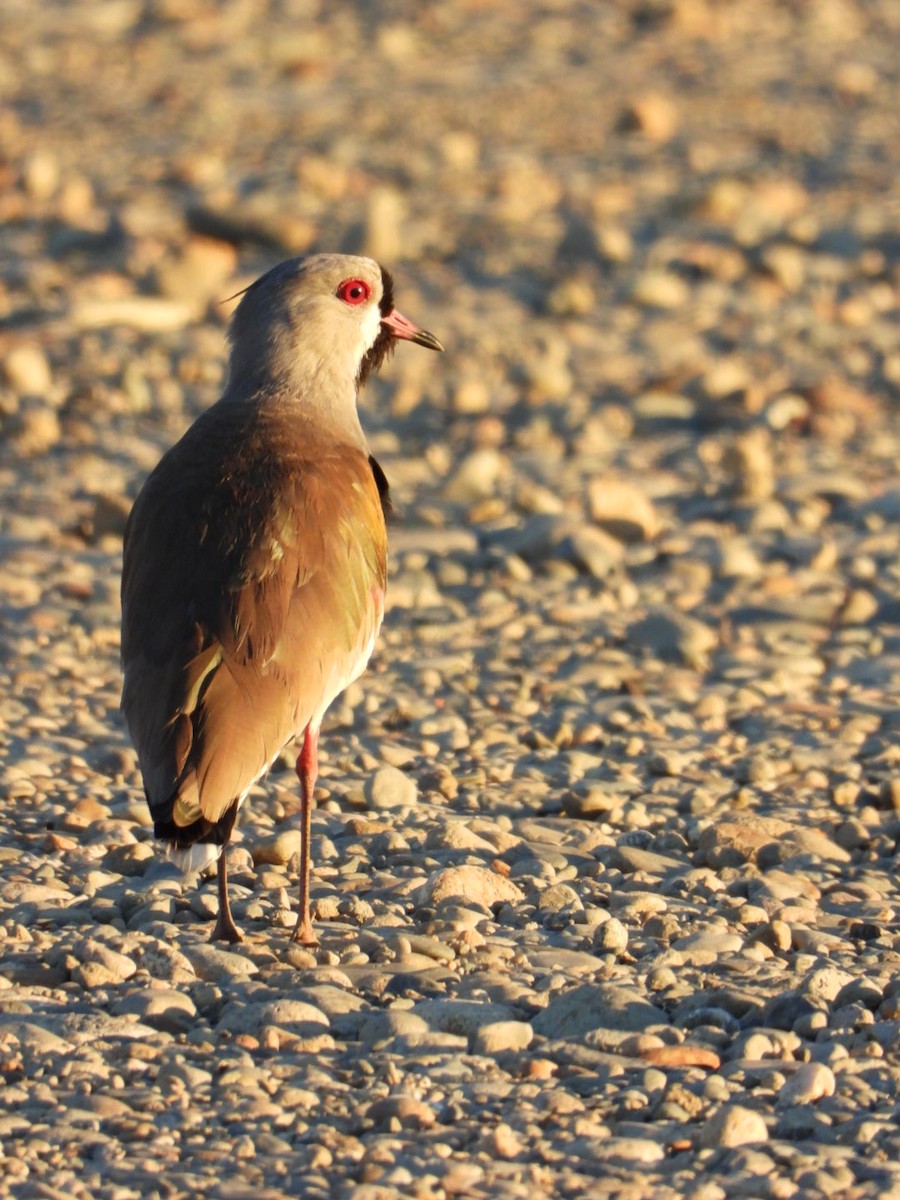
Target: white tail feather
point(192, 859)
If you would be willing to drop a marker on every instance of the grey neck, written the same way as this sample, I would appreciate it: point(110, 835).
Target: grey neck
point(301, 384)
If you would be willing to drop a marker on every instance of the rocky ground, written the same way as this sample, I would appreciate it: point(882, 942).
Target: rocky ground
point(607, 836)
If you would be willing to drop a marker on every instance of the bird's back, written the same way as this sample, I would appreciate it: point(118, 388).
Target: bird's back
point(252, 591)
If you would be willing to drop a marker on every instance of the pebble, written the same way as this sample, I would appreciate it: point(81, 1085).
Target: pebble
point(27, 371)
point(214, 965)
point(622, 510)
point(501, 1036)
point(165, 1009)
point(673, 637)
point(402, 1112)
point(733, 1125)
point(252, 1017)
point(476, 885)
point(277, 851)
point(390, 788)
point(657, 288)
point(610, 937)
point(810, 1082)
point(597, 1006)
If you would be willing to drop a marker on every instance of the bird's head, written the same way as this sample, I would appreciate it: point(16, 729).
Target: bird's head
point(328, 314)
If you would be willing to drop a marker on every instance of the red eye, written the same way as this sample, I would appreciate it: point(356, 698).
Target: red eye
point(354, 291)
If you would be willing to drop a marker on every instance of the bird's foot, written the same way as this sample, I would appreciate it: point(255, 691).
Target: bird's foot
point(304, 932)
point(225, 930)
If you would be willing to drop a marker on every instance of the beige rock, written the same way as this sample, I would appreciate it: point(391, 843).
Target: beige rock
point(622, 510)
point(657, 288)
point(733, 1126)
point(504, 1142)
point(27, 371)
point(654, 115)
point(389, 787)
point(278, 850)
point(730, 843)
point(477, 476)
point(479, 885)
point(749, 464)
point(811, 1082)
point(502, 1036)
point(681, 1056)
point(401, 1112)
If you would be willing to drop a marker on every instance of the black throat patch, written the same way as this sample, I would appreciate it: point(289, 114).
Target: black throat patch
point(383, 346)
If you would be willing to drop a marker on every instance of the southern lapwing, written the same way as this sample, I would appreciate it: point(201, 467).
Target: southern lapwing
point(256, 559)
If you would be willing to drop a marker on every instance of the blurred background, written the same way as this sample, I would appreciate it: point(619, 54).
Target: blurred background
point(642, 212)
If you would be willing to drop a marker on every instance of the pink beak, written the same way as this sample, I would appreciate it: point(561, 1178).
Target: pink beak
point(401, 327)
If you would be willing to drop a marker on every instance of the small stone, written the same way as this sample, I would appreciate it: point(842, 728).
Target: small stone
point(824, 983)
point(622, 510)
point(656, 288)
point(733, 1125)
point(100, 965)
point(501, 1036)
point(706, 947)
point(610, 937)
point(628, 1151)
point(297, 1016)
point(560, 901)
point(161, 1008)
point(460, 149)
point(471, 396)
point(406, 1111)
point(477, 885)
point(130, 860)
point(84, 812)
point(277, 851)
point(34, 429)
point(731, 843)
point(779, 935)
point(504, 1142)
point(681, 1055)
point(214, 965)
point(810, 1082)
point(152, 314)
point(390, 788)
point(654, 115)
point(674, 637)
point(477, 476)
point(26, 370)
point(40, 175)
point(574, 297)
point(604, 1006)
point(750, 465)
point(199, 272)
point(393, 1023)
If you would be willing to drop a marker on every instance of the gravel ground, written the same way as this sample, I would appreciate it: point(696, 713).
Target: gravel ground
point(607, 836)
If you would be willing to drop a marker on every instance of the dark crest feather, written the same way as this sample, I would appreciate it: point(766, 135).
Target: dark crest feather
point(386, 303)
point(382, 348)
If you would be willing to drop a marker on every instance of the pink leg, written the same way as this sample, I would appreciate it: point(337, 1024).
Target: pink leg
point(225, 929)
point(307, 771)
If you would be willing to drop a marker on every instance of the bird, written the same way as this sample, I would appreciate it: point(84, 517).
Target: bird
point(255, 561)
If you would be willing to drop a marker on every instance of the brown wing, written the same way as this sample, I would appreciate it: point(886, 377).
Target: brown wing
point(251, 588)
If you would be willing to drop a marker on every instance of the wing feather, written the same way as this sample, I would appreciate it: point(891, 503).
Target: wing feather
point(251, 592)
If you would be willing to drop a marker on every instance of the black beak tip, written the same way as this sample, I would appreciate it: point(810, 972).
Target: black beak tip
point(428, 340)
